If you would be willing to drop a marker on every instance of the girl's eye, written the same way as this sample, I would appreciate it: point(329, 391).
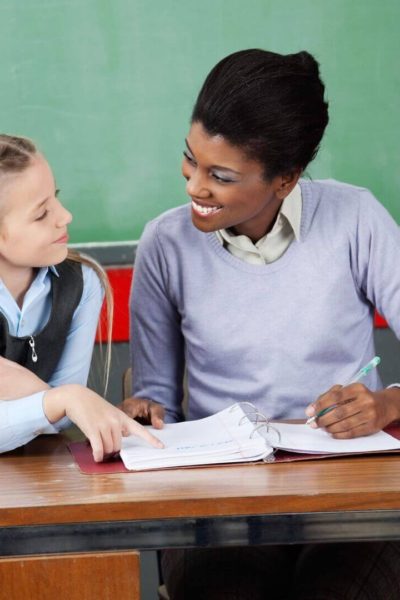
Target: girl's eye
point(189, 158)
point(42, 216)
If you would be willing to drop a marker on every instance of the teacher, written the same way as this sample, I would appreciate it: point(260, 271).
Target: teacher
point(263, 288)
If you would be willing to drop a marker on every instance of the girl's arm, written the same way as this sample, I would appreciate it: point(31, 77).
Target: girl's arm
point(22, 417)
point(68, 400)
point(17, 381)
point(103, 424)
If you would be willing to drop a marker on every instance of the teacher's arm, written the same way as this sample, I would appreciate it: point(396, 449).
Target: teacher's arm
point(374, 255)
point(156, 341)
point(357, 410)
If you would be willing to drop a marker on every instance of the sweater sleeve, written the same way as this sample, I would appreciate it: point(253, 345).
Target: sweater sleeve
point(376, 256)
point(156, 345)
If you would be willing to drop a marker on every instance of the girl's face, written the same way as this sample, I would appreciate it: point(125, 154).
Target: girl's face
point(33, 222)
point(228, 189)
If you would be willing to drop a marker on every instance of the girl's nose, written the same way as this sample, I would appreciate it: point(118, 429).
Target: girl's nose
point(64, 217)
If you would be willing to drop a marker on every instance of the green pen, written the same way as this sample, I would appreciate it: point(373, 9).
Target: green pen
point(359, 375)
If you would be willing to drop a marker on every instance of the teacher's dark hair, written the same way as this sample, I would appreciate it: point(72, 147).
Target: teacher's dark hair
point(270, 105)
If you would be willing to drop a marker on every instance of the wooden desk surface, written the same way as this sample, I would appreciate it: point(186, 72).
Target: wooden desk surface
point(41, 485)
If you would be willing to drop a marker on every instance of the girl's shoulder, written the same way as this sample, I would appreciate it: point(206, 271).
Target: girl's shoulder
point(83, 272)
point(94, 279)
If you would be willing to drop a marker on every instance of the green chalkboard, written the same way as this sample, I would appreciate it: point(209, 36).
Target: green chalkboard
point(106, 87)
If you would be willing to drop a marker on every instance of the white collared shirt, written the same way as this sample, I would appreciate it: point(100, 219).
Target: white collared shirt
point(274, 244)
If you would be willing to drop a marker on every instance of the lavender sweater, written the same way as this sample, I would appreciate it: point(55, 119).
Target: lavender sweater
point(278, 334)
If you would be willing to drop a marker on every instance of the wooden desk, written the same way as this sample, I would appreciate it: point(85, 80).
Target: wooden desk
point(48, 506)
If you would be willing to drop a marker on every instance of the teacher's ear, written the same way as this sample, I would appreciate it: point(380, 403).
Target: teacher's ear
point(285, 183)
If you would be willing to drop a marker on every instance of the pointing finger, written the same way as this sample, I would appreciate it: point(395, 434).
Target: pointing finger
point(133, 428)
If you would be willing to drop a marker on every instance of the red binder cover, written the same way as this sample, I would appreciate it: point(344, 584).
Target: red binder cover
point(82, 453)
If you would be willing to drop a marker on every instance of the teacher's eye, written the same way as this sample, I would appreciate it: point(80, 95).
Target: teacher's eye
point(222, 179)
point(189, 158)
point(42, 216)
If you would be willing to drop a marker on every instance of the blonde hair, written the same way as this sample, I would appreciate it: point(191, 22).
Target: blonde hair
point(16, 155)
point(102, 275)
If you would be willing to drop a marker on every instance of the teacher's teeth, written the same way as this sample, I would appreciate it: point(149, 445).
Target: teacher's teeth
point(204, 210)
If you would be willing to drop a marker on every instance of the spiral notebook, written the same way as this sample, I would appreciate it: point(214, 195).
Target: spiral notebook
point(237, 434)
point(228, 436)
point(241, 434)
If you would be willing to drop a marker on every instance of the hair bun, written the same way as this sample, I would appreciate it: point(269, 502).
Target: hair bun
point(306, 61)
point(270, 105)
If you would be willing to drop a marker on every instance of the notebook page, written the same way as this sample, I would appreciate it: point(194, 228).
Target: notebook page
point(130, 462)
point(304, 439)
point(223, 437)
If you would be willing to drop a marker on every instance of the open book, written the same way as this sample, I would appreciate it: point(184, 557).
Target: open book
point(240, 434)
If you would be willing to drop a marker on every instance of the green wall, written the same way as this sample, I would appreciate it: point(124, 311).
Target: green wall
point(106, 87)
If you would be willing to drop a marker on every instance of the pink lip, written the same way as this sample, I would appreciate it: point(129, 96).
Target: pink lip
point(63, 239)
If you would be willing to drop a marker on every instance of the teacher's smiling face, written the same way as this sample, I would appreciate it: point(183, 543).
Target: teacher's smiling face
point(227, 189)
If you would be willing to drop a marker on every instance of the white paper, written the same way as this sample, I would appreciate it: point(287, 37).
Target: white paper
point(305, 439)
point(228, 436)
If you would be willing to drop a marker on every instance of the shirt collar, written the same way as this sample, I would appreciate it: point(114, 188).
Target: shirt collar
point(41, 275)
point(290, 210)
point(43, 271)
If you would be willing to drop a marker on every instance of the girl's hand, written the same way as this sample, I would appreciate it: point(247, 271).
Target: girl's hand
point(357, 412)
point(147, 411)
point(17, 381)
point(101, 422)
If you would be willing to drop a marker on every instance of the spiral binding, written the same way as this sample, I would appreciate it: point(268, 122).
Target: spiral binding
point(261, 422)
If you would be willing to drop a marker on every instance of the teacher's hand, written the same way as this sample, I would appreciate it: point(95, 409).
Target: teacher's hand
point(357, 411)
point(145, 411)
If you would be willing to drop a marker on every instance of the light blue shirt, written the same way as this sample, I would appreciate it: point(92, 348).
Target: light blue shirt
point(23, 419)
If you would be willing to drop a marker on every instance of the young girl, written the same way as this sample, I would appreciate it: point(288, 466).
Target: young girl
point(49, 308)
point(264, 289)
